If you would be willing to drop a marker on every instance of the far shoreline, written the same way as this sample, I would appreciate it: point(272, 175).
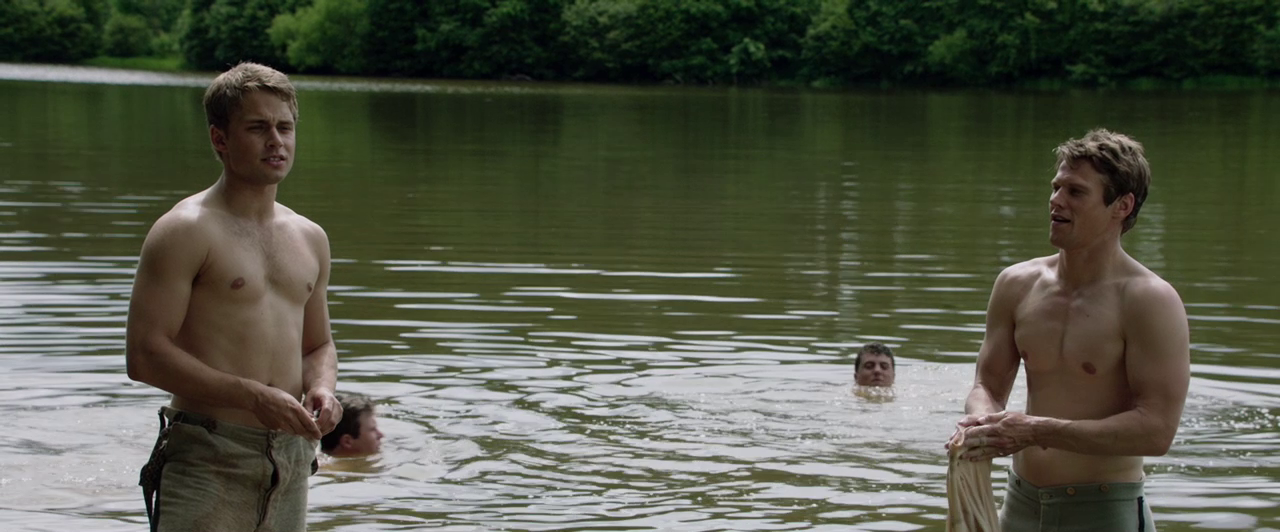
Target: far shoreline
point(176, 66)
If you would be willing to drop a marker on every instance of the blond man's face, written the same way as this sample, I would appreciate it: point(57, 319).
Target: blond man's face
point(258, 145)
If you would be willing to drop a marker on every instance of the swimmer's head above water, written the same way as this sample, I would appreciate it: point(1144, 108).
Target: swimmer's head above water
point(357, 433)
point(874, 365)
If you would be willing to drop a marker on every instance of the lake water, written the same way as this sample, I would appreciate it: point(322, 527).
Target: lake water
point(585, 307)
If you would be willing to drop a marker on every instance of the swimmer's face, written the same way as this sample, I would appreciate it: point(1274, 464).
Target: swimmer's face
point(875, 370)
point(369, 441)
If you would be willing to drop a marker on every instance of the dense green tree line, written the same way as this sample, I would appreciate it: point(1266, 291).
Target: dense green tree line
point(829, 42)
point(51, 30)
point(62, 31)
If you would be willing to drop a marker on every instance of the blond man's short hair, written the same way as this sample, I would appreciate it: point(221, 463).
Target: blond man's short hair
point(228, 90)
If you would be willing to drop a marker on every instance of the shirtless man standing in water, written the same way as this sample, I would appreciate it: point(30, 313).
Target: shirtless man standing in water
point(1106, 347)
point(229, 314)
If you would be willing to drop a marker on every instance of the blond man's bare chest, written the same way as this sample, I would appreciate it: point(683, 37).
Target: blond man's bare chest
point(277, 265)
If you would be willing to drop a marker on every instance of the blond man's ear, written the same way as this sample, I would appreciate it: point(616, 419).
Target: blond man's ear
point(218, 138)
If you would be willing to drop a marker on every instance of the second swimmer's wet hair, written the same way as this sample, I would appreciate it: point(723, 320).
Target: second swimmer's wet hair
point(354, 407)
point(875, 348)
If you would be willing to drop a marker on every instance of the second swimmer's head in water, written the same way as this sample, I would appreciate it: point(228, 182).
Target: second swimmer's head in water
point(357, 433)
point(874, 365)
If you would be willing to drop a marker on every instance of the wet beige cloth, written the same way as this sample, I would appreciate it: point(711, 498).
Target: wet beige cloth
point(971, 504)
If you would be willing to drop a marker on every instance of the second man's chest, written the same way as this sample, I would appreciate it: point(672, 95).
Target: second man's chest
point(1059, 332)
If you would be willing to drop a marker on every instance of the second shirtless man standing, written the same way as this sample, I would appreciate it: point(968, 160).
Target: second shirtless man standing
point(229, 314)
point(1107, 352)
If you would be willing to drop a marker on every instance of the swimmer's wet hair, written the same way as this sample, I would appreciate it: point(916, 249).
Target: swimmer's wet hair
point(874, 348)
point(354, 407)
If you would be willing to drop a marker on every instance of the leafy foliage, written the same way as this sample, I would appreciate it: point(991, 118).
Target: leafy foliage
point(828, 42)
